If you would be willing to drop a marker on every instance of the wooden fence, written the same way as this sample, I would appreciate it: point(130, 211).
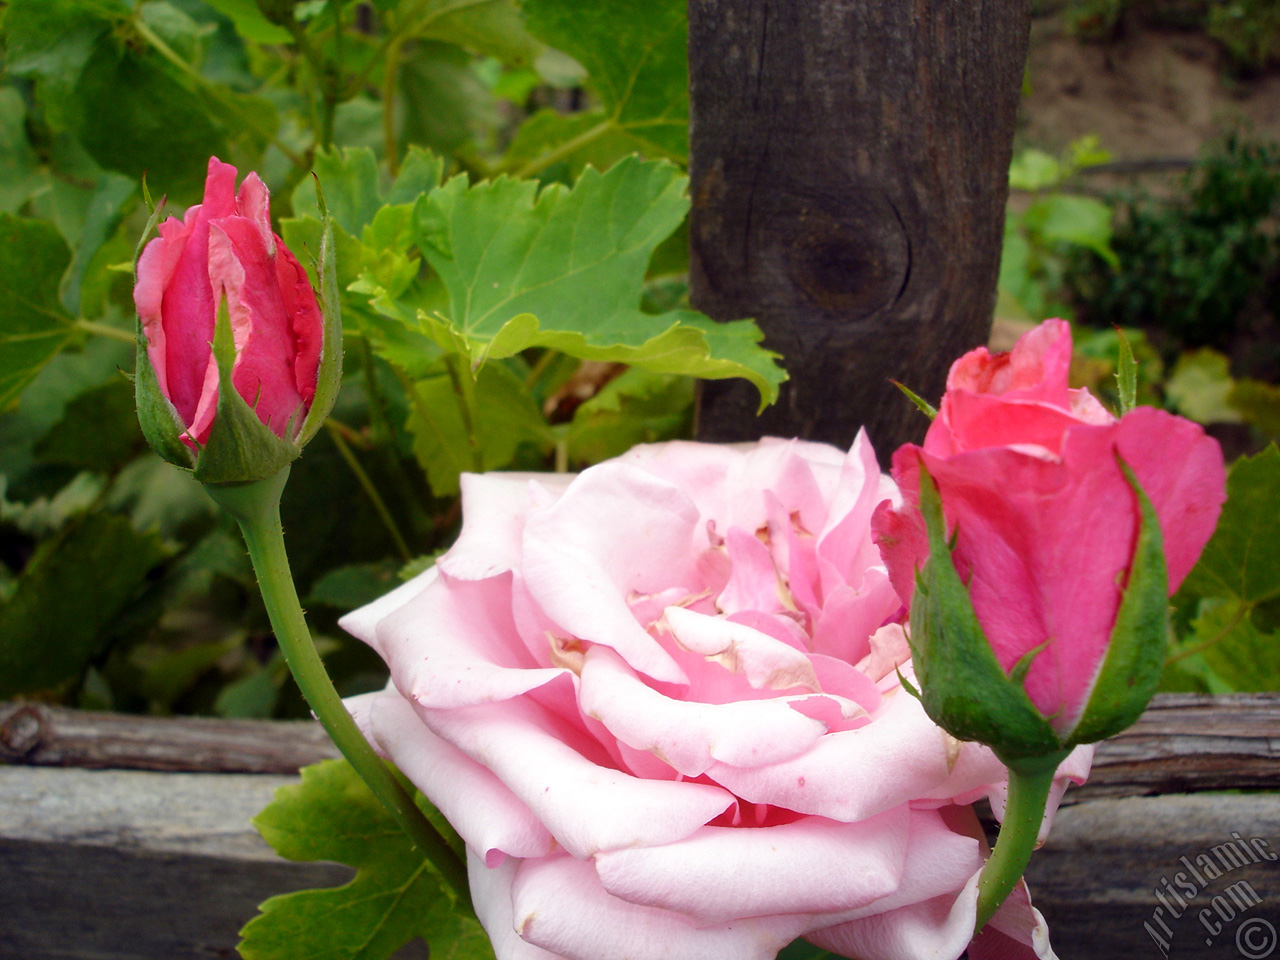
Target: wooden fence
point(128, 838)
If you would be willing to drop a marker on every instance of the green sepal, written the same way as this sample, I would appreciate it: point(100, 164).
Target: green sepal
point(1130, 672)
point(921, 404)
point(963, 688)
point(1126, 374)
point(329, 375)
point(159, 419)
point(240, 448)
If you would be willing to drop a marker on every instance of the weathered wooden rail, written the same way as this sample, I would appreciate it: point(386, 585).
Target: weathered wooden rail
point(128, 838)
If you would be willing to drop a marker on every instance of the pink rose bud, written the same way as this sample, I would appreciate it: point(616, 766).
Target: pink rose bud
point(1040, 617)
point(223, 302)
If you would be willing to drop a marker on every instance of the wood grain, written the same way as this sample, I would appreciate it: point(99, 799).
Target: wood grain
point(1183, 743)
point(848, 168)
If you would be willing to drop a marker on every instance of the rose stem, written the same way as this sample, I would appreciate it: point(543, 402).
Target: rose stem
point(1029, 784)
point(256, 508)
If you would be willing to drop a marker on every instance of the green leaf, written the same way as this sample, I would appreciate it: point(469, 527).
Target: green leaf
point(1199, 387)
point(565, 269)
point(1243, 655)
point(250, 23)
point(51, 41)
point(20, 176)
point(494, 28)
point(329, 374)
point(1258, 404)
point(71, 589)
point(138, 118)
point(963, 688)
point(443, 105)
point(558, 146)
point(113, 199)
point(353, 188)
point(33, 326)
point(1034, 170)
point(635, 407)
point(394, 898)
point(165, 674)
point(98, 431)
point(354, 585)
point(636, 61)
point(1242, 559)
point(1076, 220)
point(506, 417)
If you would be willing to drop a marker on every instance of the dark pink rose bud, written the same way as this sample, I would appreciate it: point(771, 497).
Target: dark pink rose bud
point(1057, 515)
point(223, 259)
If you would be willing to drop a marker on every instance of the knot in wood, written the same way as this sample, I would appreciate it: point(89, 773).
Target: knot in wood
point(853, 265)
point(20, 733)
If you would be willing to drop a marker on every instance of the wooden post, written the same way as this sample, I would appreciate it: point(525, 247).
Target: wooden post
point(849, 164)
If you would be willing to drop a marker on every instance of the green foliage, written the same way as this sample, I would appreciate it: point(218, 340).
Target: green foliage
point(636, 62)
point(394, 897)
point(565, 268)
point(364, 109)
point(33, 326)
point(1232, 591)
point(450, 437)
point(635, 407)
point(1041, 232)
point(1194, 268)
point(68, 593)
point(1249, 30)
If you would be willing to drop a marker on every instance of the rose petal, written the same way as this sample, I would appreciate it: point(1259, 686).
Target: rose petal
point(485, 813)
point(614, 532)
point(560, 904)
point(496, 505)
point(937, 929)
point(766, 663)
point(722, 873)
point(852, 774)
point(586, 806)
point(451, 644)
point(687, 735)
point(491, 895)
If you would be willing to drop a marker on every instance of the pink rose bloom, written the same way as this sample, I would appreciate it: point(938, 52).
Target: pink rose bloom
point(1044, 519)
point(660, 703)
point(224, 248)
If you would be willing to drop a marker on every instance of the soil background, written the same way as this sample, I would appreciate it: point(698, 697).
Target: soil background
point(1148, 93)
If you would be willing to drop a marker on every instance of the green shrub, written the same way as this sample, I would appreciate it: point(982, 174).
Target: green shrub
point(1196, 270)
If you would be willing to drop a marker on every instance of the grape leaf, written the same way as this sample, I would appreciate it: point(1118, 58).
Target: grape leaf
point(506, 417)
point(1242, 559)
point(20, 175)
point(1244, 656)
point(635, 407)
point(558, 146)
point(353, 190)
point(635, 56)
point(494, 27)
point(250, 22)
point(565, 269)
point(393, 898)
point(33, 326)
